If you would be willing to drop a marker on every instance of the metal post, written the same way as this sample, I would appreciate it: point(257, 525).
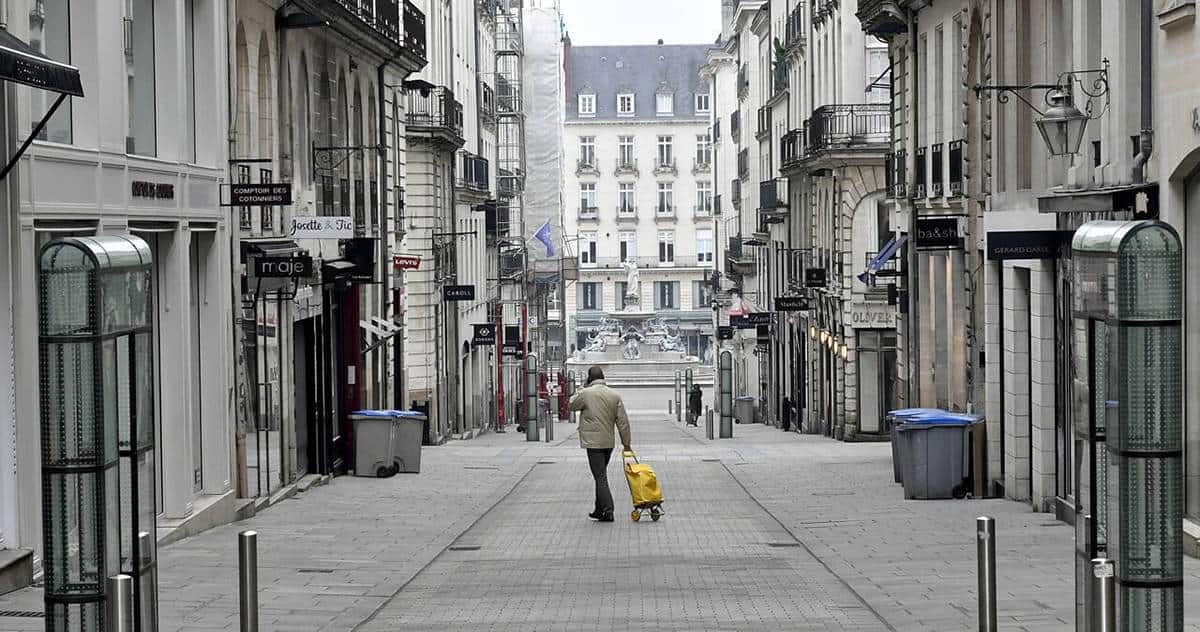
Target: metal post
point(708, 423)
point(1104, 597)
point(985, 546)
point(725, 379)
point(678, 385)
point(119, 607)
point(531, 398)
point(688, 384)
point(551, 415)
point(248, 579)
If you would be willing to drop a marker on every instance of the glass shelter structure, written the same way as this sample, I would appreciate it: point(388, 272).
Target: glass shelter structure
point(97, 421)
point(1128, 379)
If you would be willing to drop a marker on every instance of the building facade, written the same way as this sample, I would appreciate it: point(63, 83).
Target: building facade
point(639, 173)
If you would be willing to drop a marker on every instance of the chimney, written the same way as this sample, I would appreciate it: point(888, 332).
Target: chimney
point(660, 42)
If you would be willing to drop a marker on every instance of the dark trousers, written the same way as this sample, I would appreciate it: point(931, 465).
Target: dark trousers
point(598, 462)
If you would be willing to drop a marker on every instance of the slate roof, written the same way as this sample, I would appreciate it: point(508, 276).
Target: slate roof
point(610, 70)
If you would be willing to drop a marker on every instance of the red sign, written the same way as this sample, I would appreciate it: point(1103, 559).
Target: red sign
point(406, 262)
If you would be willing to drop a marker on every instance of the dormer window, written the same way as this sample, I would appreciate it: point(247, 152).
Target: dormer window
point(587, 105)
point(625, 105)
point(703, 103)
point(664, 104)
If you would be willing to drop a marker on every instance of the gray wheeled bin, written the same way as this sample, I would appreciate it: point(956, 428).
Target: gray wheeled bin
point(743, 409)
point(406, 440)
point(893, 420)
point(935, 460)
point(374, 432)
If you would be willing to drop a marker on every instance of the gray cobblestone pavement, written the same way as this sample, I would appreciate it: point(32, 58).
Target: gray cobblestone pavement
point(770, 530)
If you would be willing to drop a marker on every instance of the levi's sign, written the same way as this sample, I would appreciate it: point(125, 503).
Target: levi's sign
point(283, 267)
point(406, 262)
point(269, 194)
point(327, 227)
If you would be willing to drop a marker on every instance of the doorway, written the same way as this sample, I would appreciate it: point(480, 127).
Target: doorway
point(304, 394)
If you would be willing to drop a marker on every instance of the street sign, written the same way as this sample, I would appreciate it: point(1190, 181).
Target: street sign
point(724, 332)
point(485, 334)
point(406, 262)
point(283, 267)
point(751, 320)
point(266, 194)
point(458, 293)
point(791, 303)
point(814, 277)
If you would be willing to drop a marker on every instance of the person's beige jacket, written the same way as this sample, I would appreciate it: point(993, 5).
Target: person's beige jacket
point(600, 410)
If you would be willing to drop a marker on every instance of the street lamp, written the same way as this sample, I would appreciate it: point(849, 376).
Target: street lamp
point(1061, 124)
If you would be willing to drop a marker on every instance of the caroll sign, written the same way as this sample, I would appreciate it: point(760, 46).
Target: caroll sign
point(322, 228)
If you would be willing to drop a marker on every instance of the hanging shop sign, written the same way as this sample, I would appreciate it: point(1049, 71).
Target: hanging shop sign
point(322, 227)
point(814, 277)
point(724, 332)
point(791, 303)
point(750, 320)
point(485, 334)
point(152, 190)
point(406, 262)
point(872, 316)
point(283, 267)
point(458, 293)
point(511, 345)
point(1025, 244)
point(266, 194)
point(763, 334)
point(938, 233)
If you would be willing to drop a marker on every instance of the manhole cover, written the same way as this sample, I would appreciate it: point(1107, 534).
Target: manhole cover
point(22, 614)
point(465, 547)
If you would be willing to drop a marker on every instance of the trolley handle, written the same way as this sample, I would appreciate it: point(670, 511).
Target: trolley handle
point(629, 454)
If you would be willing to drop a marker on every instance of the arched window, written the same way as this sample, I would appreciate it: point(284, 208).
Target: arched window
point(356, 123)
point(242, 136)
point(301, 120)
point(372, 139)
point(341, 137)
point(266, 113)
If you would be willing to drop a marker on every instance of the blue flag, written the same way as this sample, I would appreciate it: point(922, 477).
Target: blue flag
point(543, 235)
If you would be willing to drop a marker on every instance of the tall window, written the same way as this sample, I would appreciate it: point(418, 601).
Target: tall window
point(704, 197)
point(877, 69)
point(628, 246)
point(587, 197)
point(939, 83)
point(704, 246)
point(589, 296)
point(55, 38)
point(666, 246)
point(701, 295)
point(704, 149)
point(587, 250)
point(666, 198)
point(621, 286)
point(625, 105)
point(665, 155)
point(189, 79)
point(587, 151)
point(666, 294)
point(703, 103)
point(625, 150)
point(625, 198)
point(664, 104)
point(139, 65)
point(587, 105)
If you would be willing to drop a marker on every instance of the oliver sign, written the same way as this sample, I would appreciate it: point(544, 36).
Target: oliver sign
point(872, 316)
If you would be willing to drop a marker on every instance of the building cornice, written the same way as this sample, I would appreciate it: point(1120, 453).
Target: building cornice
point(638, 122)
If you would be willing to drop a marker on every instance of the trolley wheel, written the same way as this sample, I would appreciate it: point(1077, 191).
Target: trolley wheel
point(384, 471)
point(636, 515)
point(655, 513)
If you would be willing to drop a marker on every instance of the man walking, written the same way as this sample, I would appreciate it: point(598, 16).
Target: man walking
point(600, 411)
point(695, 405)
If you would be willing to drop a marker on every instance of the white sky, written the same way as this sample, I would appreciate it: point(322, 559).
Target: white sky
point(607, 22)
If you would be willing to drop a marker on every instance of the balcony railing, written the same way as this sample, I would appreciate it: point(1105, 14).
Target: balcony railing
point(764, 122)
point(848, 126)
point(507, 183)
point(665, 166)
point(589, 212)
point(883, 18)
point(626, 213)
point(743, 162)
point(472, 172)
point(487, 102)
point(735, 193)
point(664, 211)
point(773, 200)
point(791, 147)
point(701, 166)
point(743, 81)
point(627, 167)
point(716, 130)
point(779, 77)
point(794, 34)
point(584, 166)
point(702, 210)
point(435, 111)
point(735, 126)
point(739, 259)
point(400, 22)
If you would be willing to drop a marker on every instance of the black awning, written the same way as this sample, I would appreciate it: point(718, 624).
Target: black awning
point(1105, 200)
point(20, 63)
point(271, 247)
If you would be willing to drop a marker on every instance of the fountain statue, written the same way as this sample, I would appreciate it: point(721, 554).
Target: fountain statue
point(633, 286)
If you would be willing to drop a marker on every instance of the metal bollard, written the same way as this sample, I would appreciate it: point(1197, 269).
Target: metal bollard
point(119, 604)
point(1104, 601)
point(985, 546)
point(670, 410)
point(248, 579)
point(708, 423)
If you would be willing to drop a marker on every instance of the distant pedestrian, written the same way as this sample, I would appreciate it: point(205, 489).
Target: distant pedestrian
point(786, 413)
point(601, 411)
point(695, 404)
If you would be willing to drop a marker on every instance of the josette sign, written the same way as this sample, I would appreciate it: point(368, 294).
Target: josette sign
point(322, 228)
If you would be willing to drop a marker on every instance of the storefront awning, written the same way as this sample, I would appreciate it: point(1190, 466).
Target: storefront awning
point(21, 63)
point(270, 248)
point(1123, 198)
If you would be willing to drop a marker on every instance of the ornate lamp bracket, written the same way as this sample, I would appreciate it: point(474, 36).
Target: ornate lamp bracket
point(1091, 83)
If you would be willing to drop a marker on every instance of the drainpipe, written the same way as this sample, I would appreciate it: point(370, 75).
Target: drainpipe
point(1146, 138)
point(914, 258)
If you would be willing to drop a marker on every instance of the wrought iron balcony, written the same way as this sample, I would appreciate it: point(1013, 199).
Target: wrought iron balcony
point(779, 77)
point(435, 115)
point(472, 172)
point(791, 148)
point(743, 161)
point(627, 167)
point(773, 200)
point(764, 122)
point(735, 193)
point(740, 260)
point(699, 167)
point(495, 221)
point(627, 213)
point(735, 126)
point(882, 18)
point(794, 34)
point(743, 81)
point(487, 102)
point(589, 212)
point(585, 167)
point(664, 211)
point(848, 126)
point(665, 167)
point(703, 210)
point(507, 184)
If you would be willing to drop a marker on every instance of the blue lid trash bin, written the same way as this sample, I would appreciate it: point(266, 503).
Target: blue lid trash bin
point(387, 441)
point(935, 449)
point(892, 420)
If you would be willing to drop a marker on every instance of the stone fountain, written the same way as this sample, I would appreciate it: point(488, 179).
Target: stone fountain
point(637, 349)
